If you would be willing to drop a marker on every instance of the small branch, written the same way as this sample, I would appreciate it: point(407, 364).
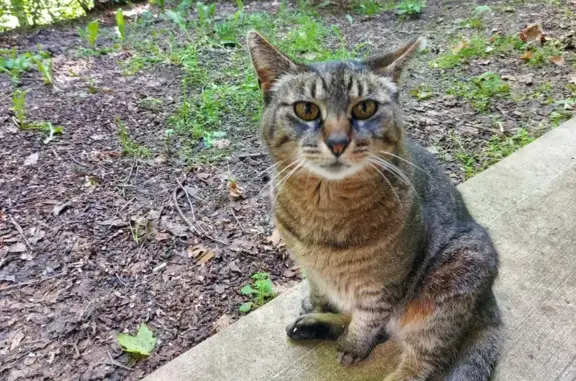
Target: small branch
point(19, 228)
point(116, 363)
point(238, 222)
point(251, 155)
point(76, 161)
point(23, 284)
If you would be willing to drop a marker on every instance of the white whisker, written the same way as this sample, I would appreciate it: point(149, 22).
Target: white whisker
point(406, 161)
point(373, 165)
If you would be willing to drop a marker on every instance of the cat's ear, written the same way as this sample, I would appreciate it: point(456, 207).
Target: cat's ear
point(268, 61)
point(392, 63)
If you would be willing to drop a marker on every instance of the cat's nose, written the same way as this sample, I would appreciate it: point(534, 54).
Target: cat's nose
point(337, 142)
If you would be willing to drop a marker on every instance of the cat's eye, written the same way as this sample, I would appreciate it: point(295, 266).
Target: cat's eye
point(307, 111)
point(364, 110)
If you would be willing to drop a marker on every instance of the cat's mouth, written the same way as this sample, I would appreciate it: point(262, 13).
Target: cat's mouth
point(335, 166)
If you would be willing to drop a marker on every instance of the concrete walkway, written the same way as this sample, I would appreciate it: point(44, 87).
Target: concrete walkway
point(528, 203)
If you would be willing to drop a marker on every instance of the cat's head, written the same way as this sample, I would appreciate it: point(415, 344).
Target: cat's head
point(330, 118)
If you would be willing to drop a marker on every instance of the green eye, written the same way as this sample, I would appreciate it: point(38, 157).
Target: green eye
point(364, 110)
point(307, 111)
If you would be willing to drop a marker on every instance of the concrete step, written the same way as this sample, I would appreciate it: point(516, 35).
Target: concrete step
point(528, 203)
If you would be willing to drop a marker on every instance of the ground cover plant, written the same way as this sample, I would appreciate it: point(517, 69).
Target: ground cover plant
point(139, 194)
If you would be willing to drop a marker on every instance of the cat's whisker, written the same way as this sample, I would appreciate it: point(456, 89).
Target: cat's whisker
point(281, 183)
point(373, 165)
point(271, 182)
point(406, 161)
point(273, 166)
point(395, 171)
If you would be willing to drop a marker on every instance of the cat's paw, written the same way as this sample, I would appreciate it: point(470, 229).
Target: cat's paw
point(351, 352)
point(306, 327)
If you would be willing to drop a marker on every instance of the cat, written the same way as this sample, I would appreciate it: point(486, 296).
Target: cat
point(385, 240)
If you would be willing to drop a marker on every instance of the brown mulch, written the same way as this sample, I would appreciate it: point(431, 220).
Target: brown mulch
point(92, 242)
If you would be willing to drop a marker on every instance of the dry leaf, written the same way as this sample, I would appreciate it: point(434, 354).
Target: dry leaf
point(484, 62)
point(114, 222)
point(526, 79)
point(17, 248)
point(558, 60)
point(160, 236)
point(527, 56)
point(222, 322)
point(533, 34)
point(196, 250)
point(203, 176)
point(16, 339)
point(206, 257)
point(459, 46)
point(58, 209)
point(508, 77)
point(572, 79)
point(234, 191)
point(32, 159)
point(220, 144)
point(275, 239)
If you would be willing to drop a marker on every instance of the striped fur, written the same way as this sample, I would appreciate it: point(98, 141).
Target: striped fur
point(385, 240)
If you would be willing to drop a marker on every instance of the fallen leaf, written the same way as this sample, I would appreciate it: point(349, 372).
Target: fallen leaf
point(533, 34)
point(558, 60)
point(234, 191)
point(463, 43)
point(484, 62)
point(222, 322)
point(58, 209)
point(160, 236)
point(222, 143)
point(572, 79)
point(38, 235)
point(508, 77)
point(16, 339)
point(142, 344)
point(234, 267)
point(17, 248)
point(245, 307)
point(32, 159)
point(175, 229)
point(527, 56)
point(114, 222)
point(221, 288)
point(203, 176)
point(196, 250)
point(206, 257)
point(526, 79)
point(275, 239)
point(288, 273)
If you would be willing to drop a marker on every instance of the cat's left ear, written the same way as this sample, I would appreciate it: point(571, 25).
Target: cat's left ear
point(392, 63)
point(268, 61)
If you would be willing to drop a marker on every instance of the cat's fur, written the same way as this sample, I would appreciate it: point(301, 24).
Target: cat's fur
point(384, 238)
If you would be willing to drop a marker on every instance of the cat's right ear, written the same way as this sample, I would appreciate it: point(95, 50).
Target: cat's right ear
point(268, 61)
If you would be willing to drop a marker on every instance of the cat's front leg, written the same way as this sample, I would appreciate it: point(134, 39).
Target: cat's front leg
point(361, 336)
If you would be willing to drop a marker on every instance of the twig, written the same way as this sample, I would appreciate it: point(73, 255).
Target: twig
point(19, 228)
point(238, 222)
point(31, 282)
point(251, 155)
point(191, 226)
point(76, 161)
point(114, 362)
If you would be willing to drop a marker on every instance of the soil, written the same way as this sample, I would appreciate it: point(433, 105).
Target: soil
point(93, 242)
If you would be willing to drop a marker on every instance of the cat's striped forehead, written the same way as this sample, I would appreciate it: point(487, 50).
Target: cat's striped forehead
point(334, 82)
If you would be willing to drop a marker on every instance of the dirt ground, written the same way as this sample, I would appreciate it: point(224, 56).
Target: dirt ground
point(93, 242)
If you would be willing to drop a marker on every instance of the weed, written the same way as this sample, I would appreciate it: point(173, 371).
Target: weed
point(410, 8)
point(120, 24)
point(368, 7)
point(177, 18)
point(45, 68)
point(19, 107)
point(90, 34)
point(47, 128)
point(129, 146)
point(15, 64)
point(260, 291)
point(462, 50)
point(481, 89)
point(206, 13)
point(422, 92)
point(540, 56)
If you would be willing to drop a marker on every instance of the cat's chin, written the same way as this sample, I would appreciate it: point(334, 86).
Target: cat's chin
point(334, 172)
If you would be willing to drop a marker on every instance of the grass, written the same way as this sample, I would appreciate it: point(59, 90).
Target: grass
point(129, 146)
point(496, 149)
point(259, 291)
point(481, 90)
point(410, 8)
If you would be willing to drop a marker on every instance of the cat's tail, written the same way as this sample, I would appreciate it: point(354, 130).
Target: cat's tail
point(478, 356)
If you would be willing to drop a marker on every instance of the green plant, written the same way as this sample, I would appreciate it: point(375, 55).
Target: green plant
point(206, 13)
point(46, 127)
point(410, 8)
point(177, 18)
point(368, 7)
point(19, 107)
point(45, 68)
point(120, 24)
point(422, 92)
point(15, 64)
point(141, 345)
point(91, 34)
point(481, 89)
point(129, 146)
point(260, 291)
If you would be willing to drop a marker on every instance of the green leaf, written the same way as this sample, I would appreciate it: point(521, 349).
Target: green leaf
point(247, 290)
point(141, 344)
point(350, 19)
point(245, 307)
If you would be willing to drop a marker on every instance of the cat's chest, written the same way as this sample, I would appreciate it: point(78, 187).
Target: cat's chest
point(341, 294)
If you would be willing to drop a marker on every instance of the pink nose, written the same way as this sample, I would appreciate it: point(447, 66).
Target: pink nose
point(337, 143)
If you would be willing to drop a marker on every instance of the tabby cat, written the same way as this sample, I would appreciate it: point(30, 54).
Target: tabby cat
point(384, 238)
